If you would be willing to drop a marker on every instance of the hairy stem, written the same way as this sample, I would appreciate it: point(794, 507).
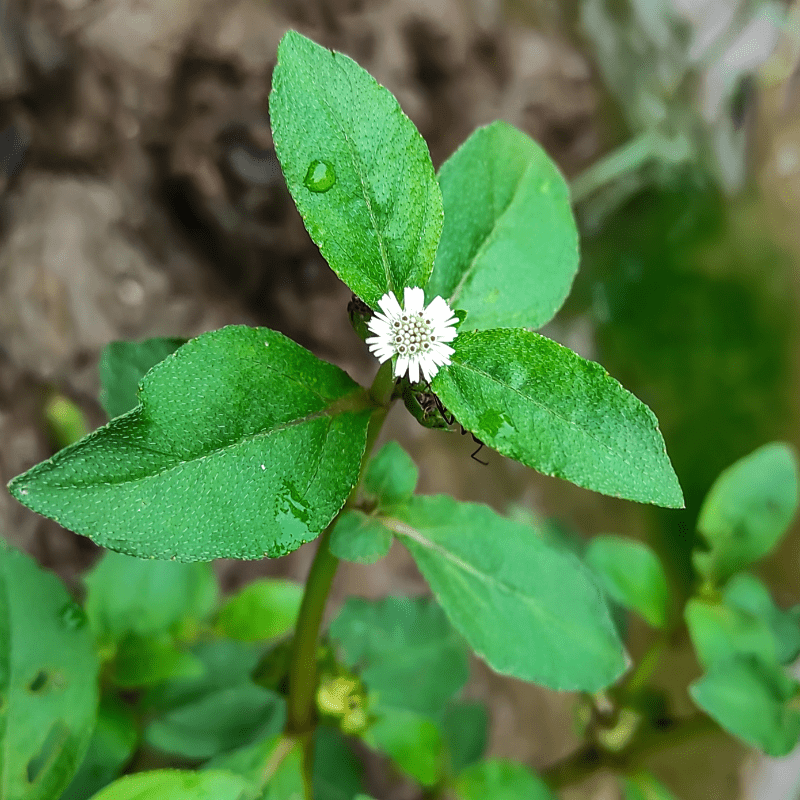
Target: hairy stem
point(303, 678)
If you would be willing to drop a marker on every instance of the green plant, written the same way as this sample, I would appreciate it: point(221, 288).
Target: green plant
point(241, 444)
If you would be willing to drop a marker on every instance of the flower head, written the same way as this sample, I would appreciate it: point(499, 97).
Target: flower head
point(416, 334)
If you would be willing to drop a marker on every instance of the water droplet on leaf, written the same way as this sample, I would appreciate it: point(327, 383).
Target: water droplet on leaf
point(72, 616)
point(320, 176)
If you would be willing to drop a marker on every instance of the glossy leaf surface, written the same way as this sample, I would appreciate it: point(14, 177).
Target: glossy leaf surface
point(245, 445)
point(357, 168)
point(492, 575)
point(509, 247)
point(541, 404)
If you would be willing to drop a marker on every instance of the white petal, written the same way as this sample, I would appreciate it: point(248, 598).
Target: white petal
point(438, 309)
point(379, 327)
point(413, 300)
point(389, 305)
point(446, 334)
point(401, 366)
point(413, 370)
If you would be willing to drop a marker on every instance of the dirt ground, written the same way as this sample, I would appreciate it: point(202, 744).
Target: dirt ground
point(140, 196)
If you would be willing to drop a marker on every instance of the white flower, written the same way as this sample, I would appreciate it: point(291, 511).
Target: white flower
point(416, 334)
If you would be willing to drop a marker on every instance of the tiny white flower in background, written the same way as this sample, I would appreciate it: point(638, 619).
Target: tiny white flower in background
point(417, 334)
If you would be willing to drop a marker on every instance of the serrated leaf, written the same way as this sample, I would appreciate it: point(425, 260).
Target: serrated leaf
point(179, 785)
point(752, 700)
point(498, 779)
point(747, 510)
point(509, 247)
point(146, 598)
point(264, 609)
point(748, 593)
point(391, 475)
point(359, 537)
point(492, 575)
point(632, 575)
point(245, 445)
point(405, 650)
point(357, 168)
point(412, 741)
point(122, 367)
point(541, 404)
point(112, 745)
point(48, 681)
point(719, 632)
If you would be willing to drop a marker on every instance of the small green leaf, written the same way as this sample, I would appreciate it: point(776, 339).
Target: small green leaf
point(498, 779)
point(147, 662)
point(391, 475)
point(539, 403)
point(746, 592)
point(492, 575)
point(720, 632)
point(747, 510)
point(179, 785)
point(218, 722)
point(509, 248)
point(465, 727)
point(146, 598)
point(357, 168)
point(632, 575)
point(244, 445)
point(122, 367)
point(48, 681)
point(359, 537)
point(412, 741)
point(405, 651)
point(752, 700)
point(264, 609)
point(643, 786)
point(111, 747)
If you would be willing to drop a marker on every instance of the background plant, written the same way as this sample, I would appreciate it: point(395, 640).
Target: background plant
point(470, 574)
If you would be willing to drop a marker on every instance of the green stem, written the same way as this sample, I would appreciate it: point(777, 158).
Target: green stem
point(303, 677)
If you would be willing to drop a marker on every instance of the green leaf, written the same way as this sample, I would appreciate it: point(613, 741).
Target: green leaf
point(509, 247)
point(498, 779)
point(180, 785)
point(218, 722)
point(632, 575)
point(465, 727)
point(146, 598)
point(359, 537)
point(747, 510)
point(643, 786)
point(753, 701)
point(244, 445)
point(338, 774)
point(147, 662)
point(287, 782)
point(720, 632)
point(405, 650)
point(492, 575)
point(746, 592)
point(122, 367)
point(391, 475)
point(539, 403)
point(412, 741)
point(111, 747)
point(357, 168)
point(264, 609)
point(48, 681)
